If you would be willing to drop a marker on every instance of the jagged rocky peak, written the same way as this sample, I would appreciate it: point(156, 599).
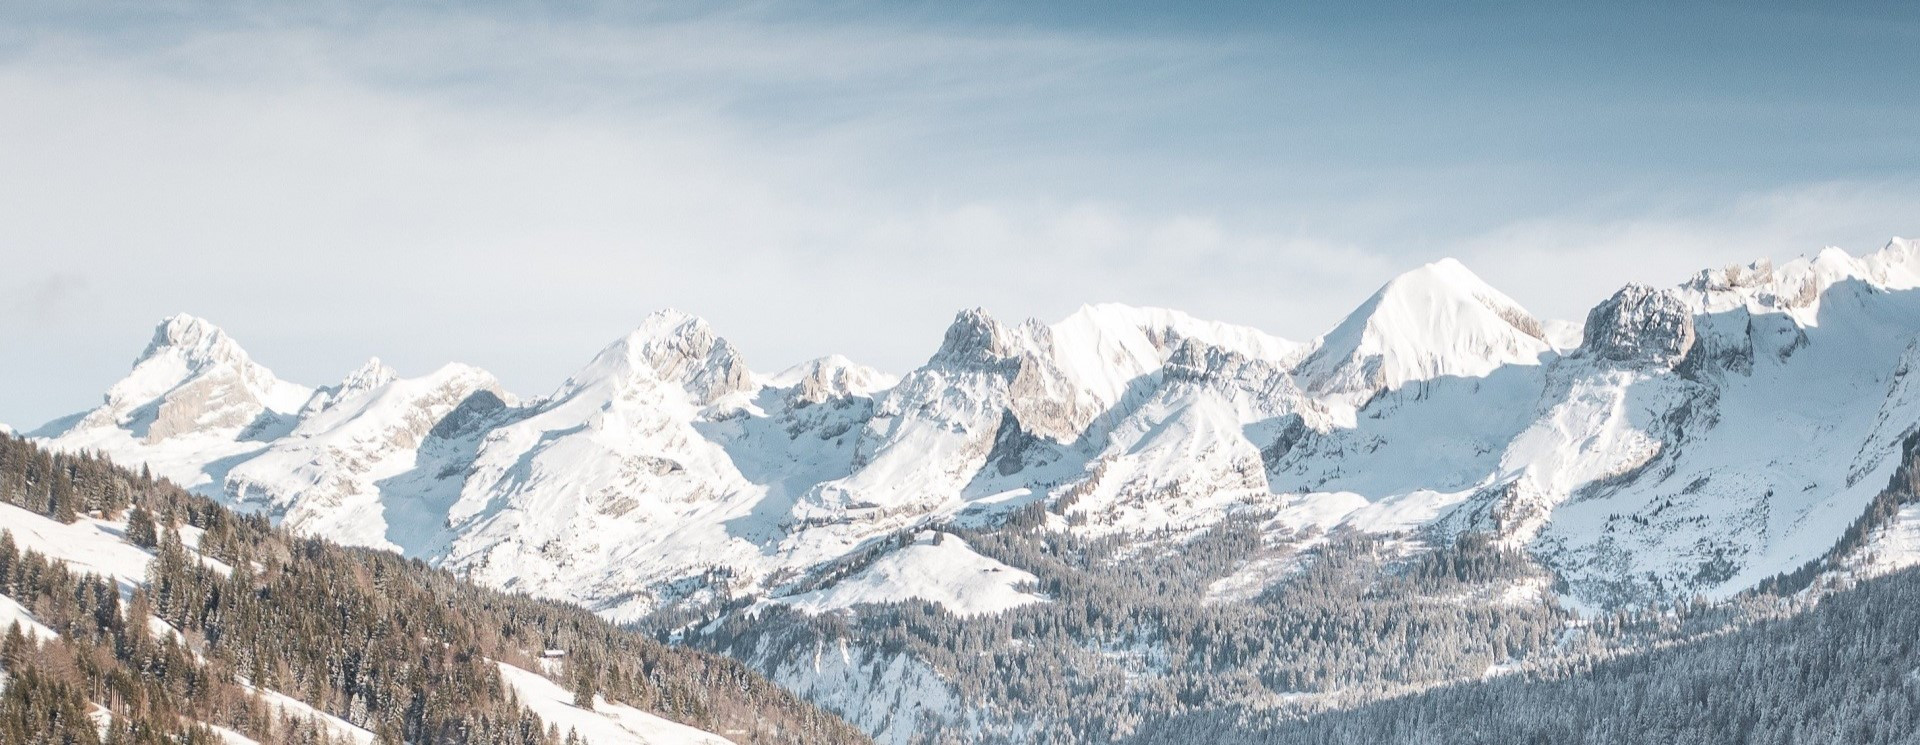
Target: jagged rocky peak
point(1640, 324)
point(192, 377)
point(187, 348)
point(975, 337)
point(193, 340)
point(1796, 286)
point(369, 376)
point(684, 348)
point(675, 347)
point(830, 377)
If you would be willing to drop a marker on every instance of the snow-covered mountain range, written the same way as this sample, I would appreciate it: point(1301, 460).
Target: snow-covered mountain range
point(1689, 440)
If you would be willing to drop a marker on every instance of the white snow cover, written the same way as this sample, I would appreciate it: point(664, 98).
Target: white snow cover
point(606, 723)
point(193, 399)
point(12, 613)
point(325, 476)
point(937, 568)
point(829, 377)
point(298, 709)
point(1438, 406)
point(1896, 547)
point(1438, 320)
point(87, 545)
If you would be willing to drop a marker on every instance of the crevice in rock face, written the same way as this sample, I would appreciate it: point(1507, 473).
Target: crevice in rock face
point(1294, 432)
point(477, 410)
point(1015, 449)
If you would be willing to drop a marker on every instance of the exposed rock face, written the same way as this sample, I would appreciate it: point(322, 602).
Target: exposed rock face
point(472, 414)
point(670, 347)
point(1197, 361)
point(683, 348)
point(831, 377)
point(1025, 359)
point(1640, 325)
point(1047, 403)
point(975, 338)
point(191, 378)
point(1015, 448)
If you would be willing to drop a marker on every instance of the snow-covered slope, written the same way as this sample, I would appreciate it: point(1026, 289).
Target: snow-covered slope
point(1691, 439)
point(608, 486)
point(605, 723)
point(326, 476)
point(936, 568)
point(87, 545)
point(1438, 320)
point(96, 546)
point(91, 545)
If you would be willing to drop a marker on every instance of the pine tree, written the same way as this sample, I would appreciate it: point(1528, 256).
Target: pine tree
point(140, 529)
point(583, 689)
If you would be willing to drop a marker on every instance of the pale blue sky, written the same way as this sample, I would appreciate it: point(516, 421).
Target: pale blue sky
point(513, 187)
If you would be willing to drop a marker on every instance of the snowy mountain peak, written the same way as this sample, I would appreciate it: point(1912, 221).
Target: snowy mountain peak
point(832, 376)
point(674, 347)
point(194, 341)
point(975, 337)
point(1444, 269)
point(1897, 250)
point(1135, 419)
point(367, 377)
point(1440, 319)
point(1440, 281)
point(371, 375)
point(1166, 329)
point(1896, 265)
point(673, 322)
point(1795, 287)
point(192, 383)
point(186, 349)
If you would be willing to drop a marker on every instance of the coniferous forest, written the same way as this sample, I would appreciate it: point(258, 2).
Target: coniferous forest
point(385, 643)
point(1846, 671)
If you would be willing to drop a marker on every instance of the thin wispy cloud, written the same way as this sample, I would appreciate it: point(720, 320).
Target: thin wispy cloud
point(514, 189)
